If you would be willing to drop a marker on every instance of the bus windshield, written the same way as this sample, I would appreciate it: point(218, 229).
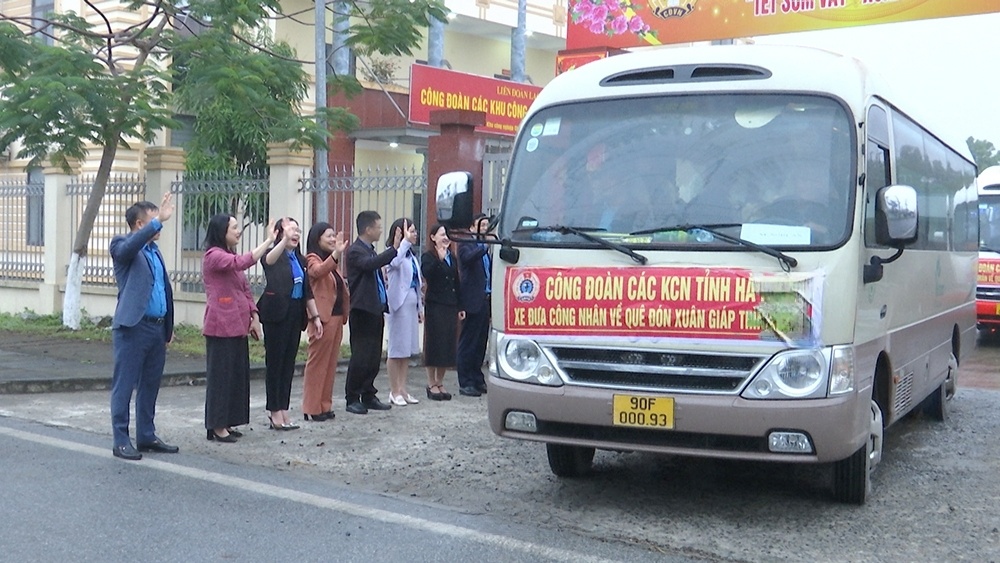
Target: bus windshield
point(774, 169)
point(989, 222)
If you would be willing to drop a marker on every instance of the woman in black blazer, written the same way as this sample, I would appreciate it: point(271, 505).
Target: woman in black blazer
point(284, 308)
point(441, 315)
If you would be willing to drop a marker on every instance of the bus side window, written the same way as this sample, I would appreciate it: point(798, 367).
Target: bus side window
point(876, 176)
point(877, 173)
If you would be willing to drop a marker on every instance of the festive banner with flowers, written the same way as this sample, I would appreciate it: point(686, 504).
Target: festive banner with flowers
point(636, 23)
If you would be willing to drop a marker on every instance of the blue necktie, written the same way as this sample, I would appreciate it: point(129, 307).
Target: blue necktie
point(381, 288)
point(486, 268)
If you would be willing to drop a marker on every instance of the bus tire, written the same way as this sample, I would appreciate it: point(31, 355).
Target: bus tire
point(936, 404)
point(569, 461)
point(852, 477)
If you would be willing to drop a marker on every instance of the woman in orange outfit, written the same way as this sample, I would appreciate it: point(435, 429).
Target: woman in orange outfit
point(324, 248)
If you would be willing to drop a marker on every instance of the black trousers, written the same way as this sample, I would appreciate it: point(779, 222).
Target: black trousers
point(281, 344)
point(227, 381)
point(472, 347)
point(366, 355)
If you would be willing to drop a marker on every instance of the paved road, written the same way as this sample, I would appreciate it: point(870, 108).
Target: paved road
point(67, 499)
point(936, 492)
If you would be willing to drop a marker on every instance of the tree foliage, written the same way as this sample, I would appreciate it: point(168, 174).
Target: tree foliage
point(69, 83)
point(983, 152)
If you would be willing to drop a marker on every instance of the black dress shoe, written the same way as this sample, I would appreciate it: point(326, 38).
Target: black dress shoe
point(126, 452)
point(482, 388)
point(228, 438)
point(157, 445)
point(374, 404)
point(470, 391)
point(357, 408)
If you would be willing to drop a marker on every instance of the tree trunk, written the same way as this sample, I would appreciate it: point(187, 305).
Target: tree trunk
point(74, 276)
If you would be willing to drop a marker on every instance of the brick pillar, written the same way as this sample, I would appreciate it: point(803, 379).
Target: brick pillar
point(58, 236)
point(341, 211)
point(163, 166)
point(457, 147)
point(286, 198)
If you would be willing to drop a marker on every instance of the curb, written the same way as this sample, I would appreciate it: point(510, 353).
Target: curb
point(170, 379)
point(103, 383)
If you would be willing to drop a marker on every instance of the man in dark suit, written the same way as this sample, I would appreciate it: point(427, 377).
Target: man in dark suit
point(476, 264)
point(368, 305)
point(142, 326)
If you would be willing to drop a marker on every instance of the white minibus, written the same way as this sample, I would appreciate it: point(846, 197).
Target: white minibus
point(740, 252)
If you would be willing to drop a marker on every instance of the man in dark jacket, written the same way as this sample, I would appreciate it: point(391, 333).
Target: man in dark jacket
point(476, 265)
point(368, 305)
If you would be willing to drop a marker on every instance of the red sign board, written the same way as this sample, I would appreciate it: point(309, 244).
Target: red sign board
point(504, 102)
point(656, 302)
point(989, 271)
point(636, 23)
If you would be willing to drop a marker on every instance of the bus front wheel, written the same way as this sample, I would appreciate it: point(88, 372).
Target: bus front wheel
point(852, 477)
point(569, 461)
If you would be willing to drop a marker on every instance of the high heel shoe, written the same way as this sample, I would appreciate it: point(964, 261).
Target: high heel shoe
point(235, 432)
point(316, 417)
point(228, 438)
point(397, 400)
point(272, 426)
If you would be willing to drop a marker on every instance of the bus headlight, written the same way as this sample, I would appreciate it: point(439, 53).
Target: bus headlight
point(842, 371)
point(523, 360)
point(793, 374)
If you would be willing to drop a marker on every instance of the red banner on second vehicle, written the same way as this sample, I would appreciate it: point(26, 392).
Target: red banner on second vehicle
point(989, 272)
point(504, 102)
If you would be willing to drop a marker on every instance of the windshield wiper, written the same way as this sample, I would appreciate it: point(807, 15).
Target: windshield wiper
point(787, 262)
point(582, 233)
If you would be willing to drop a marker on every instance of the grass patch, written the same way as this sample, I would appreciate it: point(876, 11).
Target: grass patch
point(188, 339)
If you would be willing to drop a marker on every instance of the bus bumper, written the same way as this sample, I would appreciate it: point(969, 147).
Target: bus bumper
point(718, 426)
point(988, 314)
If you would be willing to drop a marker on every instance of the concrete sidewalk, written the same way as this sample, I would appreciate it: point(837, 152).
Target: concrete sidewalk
point(43, 364)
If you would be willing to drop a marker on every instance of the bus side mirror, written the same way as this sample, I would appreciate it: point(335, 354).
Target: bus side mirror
point(896, 216)
point(895, 225)
point(453, 198)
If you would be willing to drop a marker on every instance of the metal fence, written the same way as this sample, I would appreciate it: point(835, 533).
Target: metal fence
point(122, 191)
point(392, 192)
point(198, 197)
point(22, 229)
point(495, 163)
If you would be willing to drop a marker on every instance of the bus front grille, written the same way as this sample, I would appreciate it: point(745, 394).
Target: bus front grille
point(655, 370)
point(984, 293)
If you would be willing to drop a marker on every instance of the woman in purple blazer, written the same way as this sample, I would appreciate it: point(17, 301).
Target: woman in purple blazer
point(404, 293)
point(230, 316)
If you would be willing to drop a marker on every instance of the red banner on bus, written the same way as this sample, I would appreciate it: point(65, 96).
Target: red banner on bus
point(658, 302)
point(989, 271)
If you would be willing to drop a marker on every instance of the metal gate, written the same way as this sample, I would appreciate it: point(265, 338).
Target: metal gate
point(495, 163)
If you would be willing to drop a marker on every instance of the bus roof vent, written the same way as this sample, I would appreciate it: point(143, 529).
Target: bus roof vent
point(686, 73)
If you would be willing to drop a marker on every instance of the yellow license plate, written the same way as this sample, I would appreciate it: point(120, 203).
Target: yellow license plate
point(643, 412)
point(998, 309)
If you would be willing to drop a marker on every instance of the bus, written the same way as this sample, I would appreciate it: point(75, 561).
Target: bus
point(988, 288)
point(736, 252)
